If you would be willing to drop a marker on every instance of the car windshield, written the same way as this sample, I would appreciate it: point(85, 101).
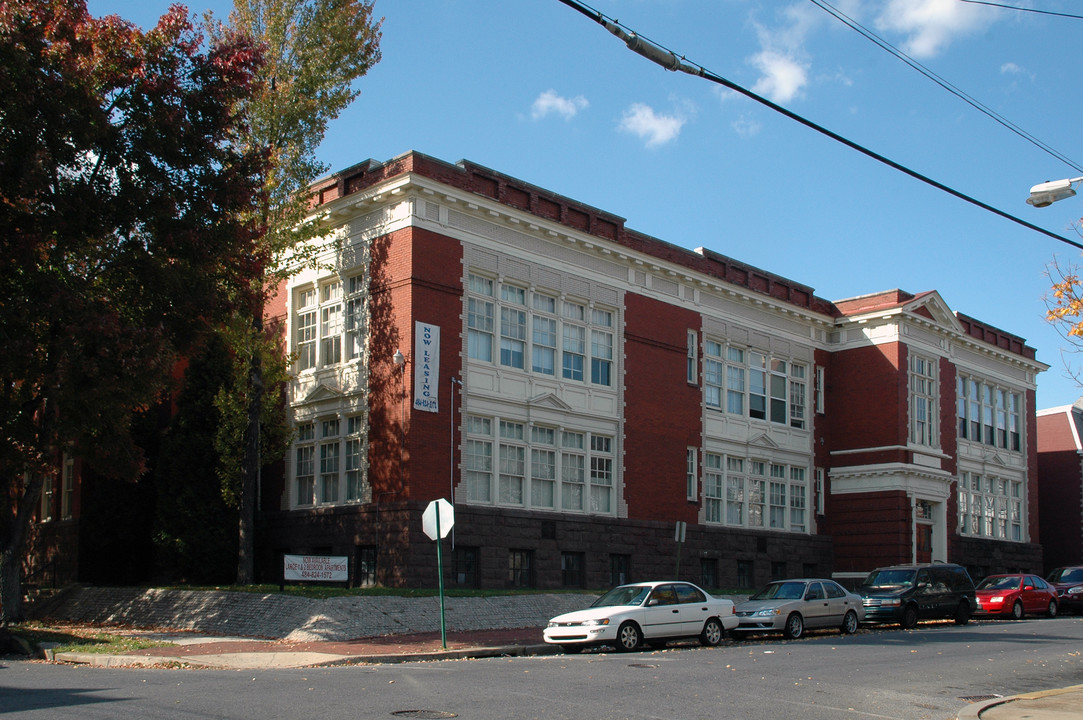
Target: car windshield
point(1066, 575)
point(781, 591)
point(889, 578)
point(623, 595)
point(999, 583)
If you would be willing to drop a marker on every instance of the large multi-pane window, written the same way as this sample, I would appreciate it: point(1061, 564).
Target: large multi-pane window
point(357, 485)
point(539, 332)
point(713, 487)
point(537, 467)
point(329, 323)
point(480, 318)
point(304, 464)
point(753, 384)
point(923, 401)
point(988, 413)
point(330, 447)
point(691, 474)
point(990, 507)
point(67, 488)
point(741, 492)
point(329, 462)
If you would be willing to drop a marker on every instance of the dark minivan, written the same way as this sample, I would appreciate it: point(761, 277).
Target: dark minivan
point(908, 593)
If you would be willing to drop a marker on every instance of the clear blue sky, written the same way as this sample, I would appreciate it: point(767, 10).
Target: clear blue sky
point(536, 90)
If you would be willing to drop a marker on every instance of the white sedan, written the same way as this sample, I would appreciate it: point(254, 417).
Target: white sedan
point(649, 613)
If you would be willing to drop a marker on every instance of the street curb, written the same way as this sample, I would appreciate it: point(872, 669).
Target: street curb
point(118, 661)
point(973, 712)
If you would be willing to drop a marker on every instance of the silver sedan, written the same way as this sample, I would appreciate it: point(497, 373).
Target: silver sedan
point(791, 606)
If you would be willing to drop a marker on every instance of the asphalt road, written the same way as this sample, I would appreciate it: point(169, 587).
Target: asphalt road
point(929, 672)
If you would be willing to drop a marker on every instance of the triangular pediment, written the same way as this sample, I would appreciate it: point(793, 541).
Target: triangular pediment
point(931, 306)
point(996, 458)
point(323, 391)
point(763, 440)
point(549, 400)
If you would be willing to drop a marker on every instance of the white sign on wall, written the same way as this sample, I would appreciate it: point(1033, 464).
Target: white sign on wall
point(328, 568)
point(426, 367)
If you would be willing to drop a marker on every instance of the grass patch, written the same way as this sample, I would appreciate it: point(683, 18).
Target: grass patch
point(80, 639)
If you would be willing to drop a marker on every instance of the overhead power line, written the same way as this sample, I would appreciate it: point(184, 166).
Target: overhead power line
point(1023, 9)
point(980, 107)
point(670, 60)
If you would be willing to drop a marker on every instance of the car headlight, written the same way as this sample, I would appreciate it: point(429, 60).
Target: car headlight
point(1075, 590)
point(997, 598)
point(891, 601)
point(767, 612)
point(595, 623)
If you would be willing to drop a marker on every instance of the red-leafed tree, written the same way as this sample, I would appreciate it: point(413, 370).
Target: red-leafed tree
point(126, 230)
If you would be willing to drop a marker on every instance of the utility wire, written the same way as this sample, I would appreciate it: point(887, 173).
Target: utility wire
point(1023, 9)
point(854, 25)
point(668, 59)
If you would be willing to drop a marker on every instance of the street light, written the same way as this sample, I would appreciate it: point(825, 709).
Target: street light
point(1047, 193)
point(400, 362)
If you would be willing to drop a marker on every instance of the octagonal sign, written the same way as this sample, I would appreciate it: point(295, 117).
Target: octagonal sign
point(440, 510)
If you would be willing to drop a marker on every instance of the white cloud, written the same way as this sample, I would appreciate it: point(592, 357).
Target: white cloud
point(549, 102)
point(655, 128)
point(931, 25)
point(783, 77)
point(746, 127)
point(783, 72)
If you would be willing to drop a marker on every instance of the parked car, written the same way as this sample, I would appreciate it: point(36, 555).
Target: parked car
point(792, 606)
point(908, 593)
point(1015, 595)
point(649, 613)
point(1068, 582)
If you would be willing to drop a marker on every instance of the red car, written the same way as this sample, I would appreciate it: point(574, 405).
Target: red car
point(1016, 595)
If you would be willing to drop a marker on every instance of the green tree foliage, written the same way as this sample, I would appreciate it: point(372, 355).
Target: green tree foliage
point(314, 51)
point(123, 183)
point(231, 404)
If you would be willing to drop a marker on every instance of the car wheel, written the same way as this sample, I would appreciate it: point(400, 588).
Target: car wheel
point(909, 617)
point(1017, 611)
point(628, 637)
point(962, 613)
point(572, 649)
point(712, 634)
point(1051, 611)
point(795, 626)
point(849, 623)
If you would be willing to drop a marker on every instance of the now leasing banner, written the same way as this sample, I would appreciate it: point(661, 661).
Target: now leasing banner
point(426, 366)
point(328, 568)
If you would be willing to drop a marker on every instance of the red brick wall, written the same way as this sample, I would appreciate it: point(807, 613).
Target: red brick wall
point(871, 530)
point(435, 297)
point(416, 276)
point(662, 411)
point(1060, 492)
point(869, 386)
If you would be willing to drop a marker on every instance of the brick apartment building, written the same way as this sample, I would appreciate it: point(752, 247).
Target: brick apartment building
point(577, 389)
point(1060, 473)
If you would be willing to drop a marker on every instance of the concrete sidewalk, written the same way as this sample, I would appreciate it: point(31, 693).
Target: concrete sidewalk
point(200, 651)
point(1062, 704)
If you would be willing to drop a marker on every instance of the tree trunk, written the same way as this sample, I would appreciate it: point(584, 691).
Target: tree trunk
point(246, 547)
point(13, 549)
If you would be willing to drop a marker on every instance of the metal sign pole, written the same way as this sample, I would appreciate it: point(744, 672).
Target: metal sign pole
point(440, 574)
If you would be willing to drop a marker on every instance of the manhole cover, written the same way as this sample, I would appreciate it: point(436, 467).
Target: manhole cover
point(978, 698)
point(424, 714)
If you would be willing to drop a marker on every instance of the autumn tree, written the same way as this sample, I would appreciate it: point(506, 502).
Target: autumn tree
point(124, 186)
point(315, 50)
point(1064, 310)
